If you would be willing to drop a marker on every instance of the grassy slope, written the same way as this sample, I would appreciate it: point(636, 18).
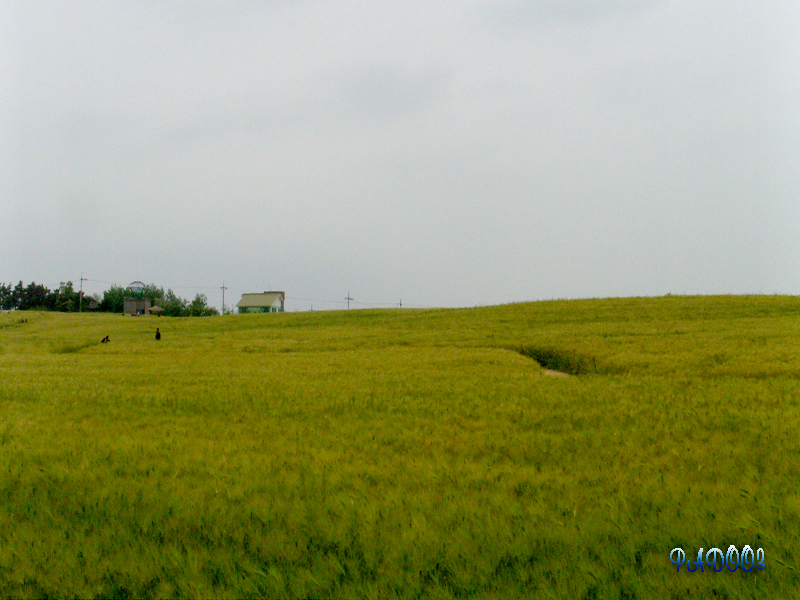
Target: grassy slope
point(402, 453)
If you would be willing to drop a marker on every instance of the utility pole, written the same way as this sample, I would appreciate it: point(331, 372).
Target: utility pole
point(348, 298)
point(401, 303)
point(80, 295)
point(223, 288)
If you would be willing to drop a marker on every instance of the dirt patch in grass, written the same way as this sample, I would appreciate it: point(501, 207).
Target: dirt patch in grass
point(559, 363)
point(551, 373)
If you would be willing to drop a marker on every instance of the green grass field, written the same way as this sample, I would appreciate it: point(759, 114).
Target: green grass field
point(402, 453)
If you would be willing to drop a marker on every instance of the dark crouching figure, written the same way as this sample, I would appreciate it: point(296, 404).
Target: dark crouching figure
point(105, 340)
point(158, 334)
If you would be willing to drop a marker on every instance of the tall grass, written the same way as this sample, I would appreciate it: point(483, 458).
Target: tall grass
point(402, 454)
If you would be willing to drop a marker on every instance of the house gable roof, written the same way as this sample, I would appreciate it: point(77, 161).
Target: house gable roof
point(265, 299)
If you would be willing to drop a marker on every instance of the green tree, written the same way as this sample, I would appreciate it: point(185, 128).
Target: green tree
point(65, 299)
point(155, 293)
point(114, 299)
point(18, 295)
point(35, 296)
point(174, 306)
point(200, 308)
point(6, 297)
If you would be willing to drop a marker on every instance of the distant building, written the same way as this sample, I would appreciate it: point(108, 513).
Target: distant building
point(137, 306)
point(261, 303)
point(137, 303)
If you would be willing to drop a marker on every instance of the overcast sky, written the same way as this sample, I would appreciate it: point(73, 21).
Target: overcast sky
point(446, 153)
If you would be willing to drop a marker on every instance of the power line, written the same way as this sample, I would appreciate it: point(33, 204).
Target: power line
point(348, 300)
point(101, 281)
point(315, 300)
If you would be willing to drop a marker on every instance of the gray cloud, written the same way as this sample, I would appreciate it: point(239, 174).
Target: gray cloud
point(449, 153)
point(518, 13)
point(388, 90)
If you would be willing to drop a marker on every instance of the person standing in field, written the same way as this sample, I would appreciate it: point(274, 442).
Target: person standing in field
point(158, 334)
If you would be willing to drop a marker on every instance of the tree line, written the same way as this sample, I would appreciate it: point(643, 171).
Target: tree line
point(36, 296)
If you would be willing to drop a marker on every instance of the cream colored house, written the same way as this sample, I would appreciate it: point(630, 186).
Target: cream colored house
point(261, 303)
